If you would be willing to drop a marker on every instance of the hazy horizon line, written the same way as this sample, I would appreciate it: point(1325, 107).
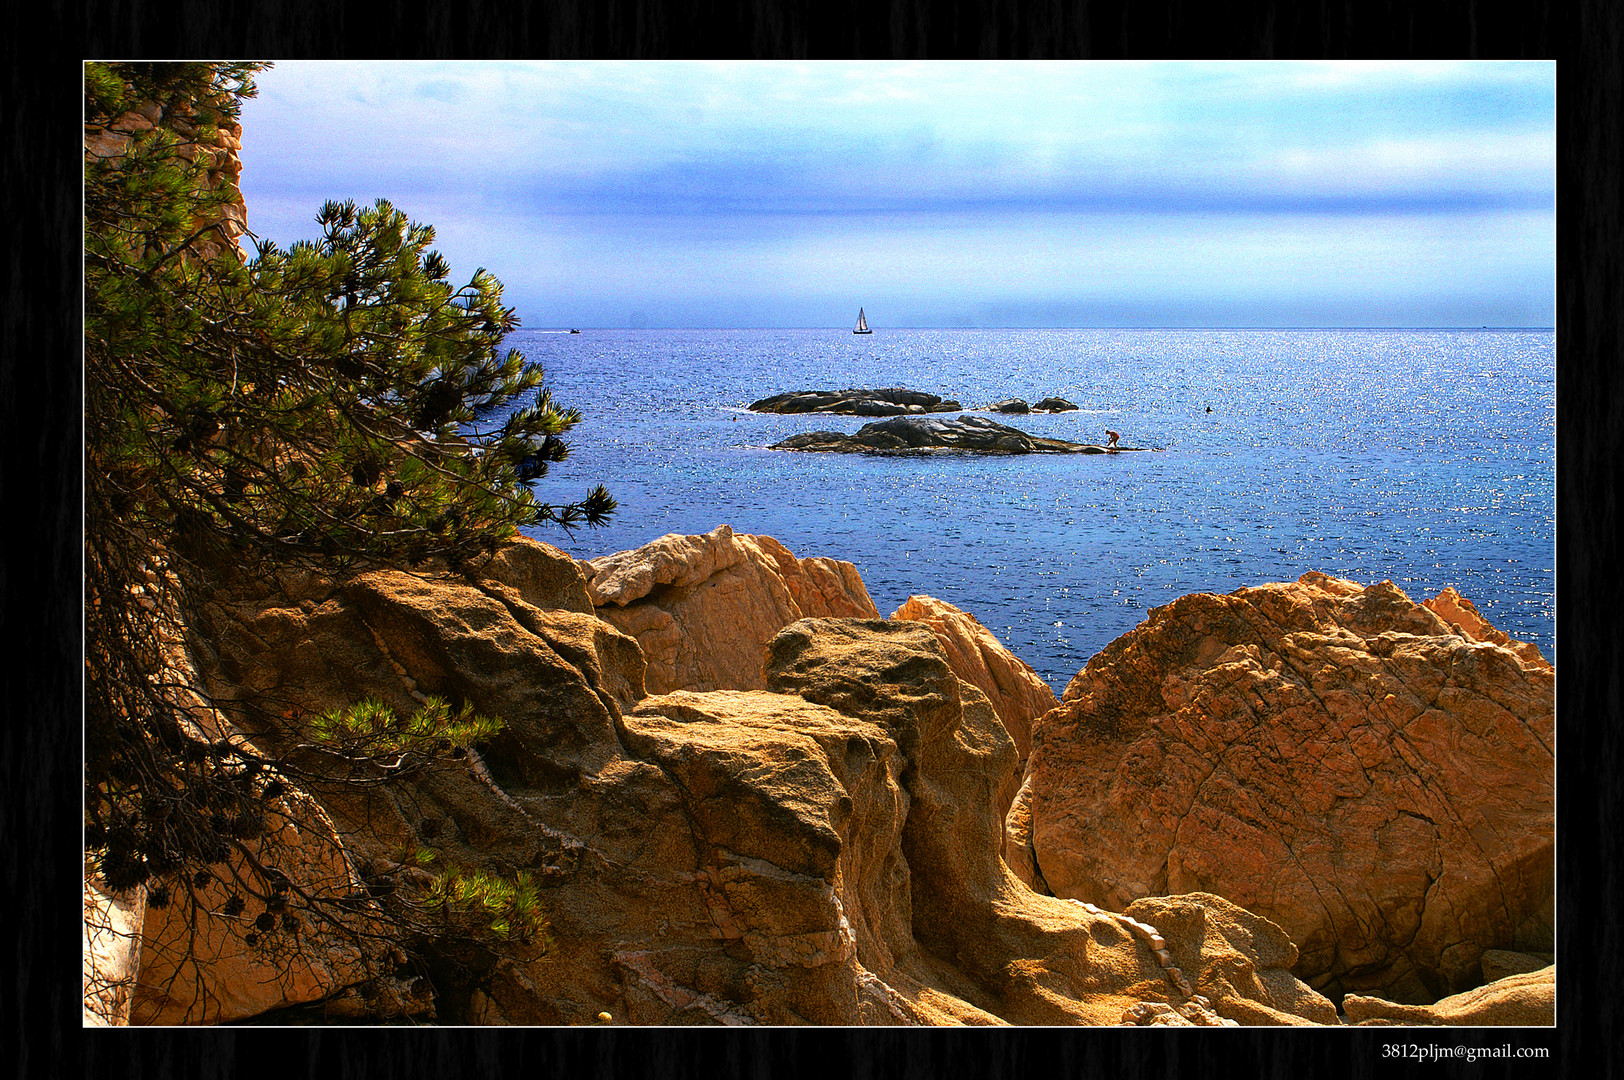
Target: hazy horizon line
point(561, 328)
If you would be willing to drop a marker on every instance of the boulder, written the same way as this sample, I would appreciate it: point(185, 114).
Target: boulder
point(1010, 406)
point(1054, 405)
point(1333, 757)
point(1017, 694)
point(704, 607)
point(1525, 1000)
point(1242, 962)
point(933, 435)
point(1016, 847)
point(537, 577)
point(201, 963)
point(870, 407)
point(796, 812)
point(1499, 963)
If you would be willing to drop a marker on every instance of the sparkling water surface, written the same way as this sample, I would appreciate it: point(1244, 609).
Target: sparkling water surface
point(1426, 457)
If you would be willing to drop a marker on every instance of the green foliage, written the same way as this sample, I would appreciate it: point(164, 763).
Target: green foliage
point(338, 399)
point(489, 904)
point(372, 729)
point(340, 402)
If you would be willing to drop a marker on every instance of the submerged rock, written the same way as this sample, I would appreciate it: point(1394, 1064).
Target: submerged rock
point(893, 401)
point(1333, 757)
point(931, 435)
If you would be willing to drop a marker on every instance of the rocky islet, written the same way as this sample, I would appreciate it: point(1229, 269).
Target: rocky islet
point(891, 401)
point(926, 435)
point(894, 401)
point(1019, 407)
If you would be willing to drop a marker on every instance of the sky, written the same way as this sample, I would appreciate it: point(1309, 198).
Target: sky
point(1091, 193)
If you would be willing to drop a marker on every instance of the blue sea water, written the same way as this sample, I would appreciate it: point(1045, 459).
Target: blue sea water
point(1426, 457)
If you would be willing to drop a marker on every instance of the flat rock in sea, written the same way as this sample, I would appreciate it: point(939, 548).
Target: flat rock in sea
point(931, 435)
point(1018, 407)
point(891, 401)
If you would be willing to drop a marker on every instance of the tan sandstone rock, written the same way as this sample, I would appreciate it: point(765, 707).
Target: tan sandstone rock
point(1015, 953)
point(218, 151)
point(1239, 962)
point(538, 577)
point(977, 657)
point(825, 851)
point(198, 964)
point(176, 951)
point(1499, 963)
point(1460, 613)
point(1526, 1000)
point(689, 846)
point(1017, 693)
point(1333, 757)
point(703, 607)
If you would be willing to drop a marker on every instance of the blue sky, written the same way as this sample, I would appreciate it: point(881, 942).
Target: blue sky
point(942, 193)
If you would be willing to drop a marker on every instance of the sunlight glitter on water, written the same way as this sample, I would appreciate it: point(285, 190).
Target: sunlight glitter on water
point(1366, 454)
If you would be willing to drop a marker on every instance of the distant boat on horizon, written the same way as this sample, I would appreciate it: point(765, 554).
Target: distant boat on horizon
point(862, 324)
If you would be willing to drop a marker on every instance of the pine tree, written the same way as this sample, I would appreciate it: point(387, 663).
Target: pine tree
point(336, 404)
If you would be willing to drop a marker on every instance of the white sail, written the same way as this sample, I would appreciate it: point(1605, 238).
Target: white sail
point(862, 324)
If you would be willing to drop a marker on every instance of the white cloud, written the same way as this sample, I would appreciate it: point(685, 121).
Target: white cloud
point(590, 180)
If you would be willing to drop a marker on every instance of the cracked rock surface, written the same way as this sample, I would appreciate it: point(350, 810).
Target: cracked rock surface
point(1372, 775)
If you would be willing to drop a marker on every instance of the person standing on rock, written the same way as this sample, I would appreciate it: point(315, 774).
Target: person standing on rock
point(1111, 439)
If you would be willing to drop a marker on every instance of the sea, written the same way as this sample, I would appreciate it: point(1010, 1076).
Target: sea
point(1423, 457)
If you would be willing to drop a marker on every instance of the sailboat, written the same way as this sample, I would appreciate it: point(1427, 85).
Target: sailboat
point(862, 324)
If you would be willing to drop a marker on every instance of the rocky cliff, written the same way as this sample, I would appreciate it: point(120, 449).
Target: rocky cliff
point(1373, 778)
point(821, 846)
point(823, 849)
